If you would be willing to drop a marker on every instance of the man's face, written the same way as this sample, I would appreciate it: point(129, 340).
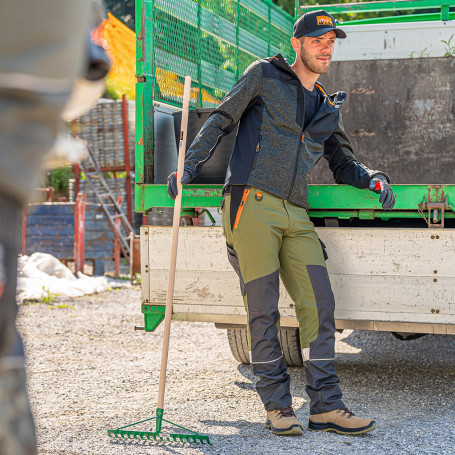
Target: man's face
point(316, 52)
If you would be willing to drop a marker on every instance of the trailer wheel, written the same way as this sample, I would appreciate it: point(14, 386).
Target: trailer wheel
point(289, 339)
point(238, 342)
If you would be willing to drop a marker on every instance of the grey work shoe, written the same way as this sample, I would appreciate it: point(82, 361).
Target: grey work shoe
point(283, 422)
point(340, 421)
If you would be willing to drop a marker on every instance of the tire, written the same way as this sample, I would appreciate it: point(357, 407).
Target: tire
point(290, 344)
point(238, 342)
point(289, 339)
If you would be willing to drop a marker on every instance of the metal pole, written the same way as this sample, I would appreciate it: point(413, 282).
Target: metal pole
point(198, 51)
point(237, 51)
point(24, 230)
point(79, 233)
point(116, 243)
point(127, 158)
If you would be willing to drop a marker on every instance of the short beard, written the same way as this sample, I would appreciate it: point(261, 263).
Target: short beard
point(310, 64)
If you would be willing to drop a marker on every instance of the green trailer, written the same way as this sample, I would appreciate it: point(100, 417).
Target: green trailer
point(390, 271)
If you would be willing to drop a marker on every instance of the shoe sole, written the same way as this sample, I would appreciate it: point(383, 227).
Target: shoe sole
point(295, 430)
point(340, 430)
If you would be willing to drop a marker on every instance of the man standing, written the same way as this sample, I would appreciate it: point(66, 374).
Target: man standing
point(287, 122)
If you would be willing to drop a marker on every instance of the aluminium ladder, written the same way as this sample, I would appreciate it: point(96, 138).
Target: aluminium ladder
point(109, 205)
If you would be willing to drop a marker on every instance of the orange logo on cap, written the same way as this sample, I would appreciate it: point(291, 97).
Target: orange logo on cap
point(324, 20)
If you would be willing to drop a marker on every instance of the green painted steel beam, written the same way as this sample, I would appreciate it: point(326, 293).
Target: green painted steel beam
point(346, 197)
point(342, 201)
point(139, 39)
point(193, 196)
point(379, 6)
point(400, 19)
point(139, 134)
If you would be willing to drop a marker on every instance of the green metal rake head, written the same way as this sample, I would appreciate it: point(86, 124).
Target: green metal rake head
point(157, 435)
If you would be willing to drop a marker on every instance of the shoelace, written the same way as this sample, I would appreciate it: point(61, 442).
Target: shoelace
point(346, 411)
point(287, 411)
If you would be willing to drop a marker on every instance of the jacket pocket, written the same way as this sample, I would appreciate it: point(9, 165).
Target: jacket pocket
point(322, 128)
point(234, 261)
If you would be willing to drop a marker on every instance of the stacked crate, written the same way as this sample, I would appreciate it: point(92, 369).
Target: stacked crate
point(102, 128)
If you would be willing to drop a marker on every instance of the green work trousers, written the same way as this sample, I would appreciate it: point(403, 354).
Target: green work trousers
point(267, 238)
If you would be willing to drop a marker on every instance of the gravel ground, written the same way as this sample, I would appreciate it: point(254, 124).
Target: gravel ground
point(89, 371)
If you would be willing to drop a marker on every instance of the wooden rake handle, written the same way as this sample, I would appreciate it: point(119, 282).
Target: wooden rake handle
point(175, 241)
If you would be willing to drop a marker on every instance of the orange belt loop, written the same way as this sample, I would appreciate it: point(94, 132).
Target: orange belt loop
point(242, 204)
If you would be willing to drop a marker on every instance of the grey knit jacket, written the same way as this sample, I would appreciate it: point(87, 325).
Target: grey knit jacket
point(272, 150)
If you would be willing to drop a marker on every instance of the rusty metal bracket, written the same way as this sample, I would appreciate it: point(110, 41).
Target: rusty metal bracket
point(435, 202)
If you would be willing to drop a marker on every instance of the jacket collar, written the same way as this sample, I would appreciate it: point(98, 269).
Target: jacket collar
point(281, 63)
point(335, 100)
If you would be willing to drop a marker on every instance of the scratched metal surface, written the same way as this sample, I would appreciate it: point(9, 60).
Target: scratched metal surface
point(400, 116)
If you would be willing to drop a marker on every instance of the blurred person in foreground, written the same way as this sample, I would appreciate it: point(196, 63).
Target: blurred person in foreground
point(49, 69)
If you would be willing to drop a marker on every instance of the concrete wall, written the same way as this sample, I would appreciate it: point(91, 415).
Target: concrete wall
point(400, 115)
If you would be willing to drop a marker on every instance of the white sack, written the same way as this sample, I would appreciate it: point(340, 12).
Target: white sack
point(41, 274)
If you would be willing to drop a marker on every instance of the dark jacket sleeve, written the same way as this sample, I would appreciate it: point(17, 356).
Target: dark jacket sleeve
point(224, 118)
point(342, 162)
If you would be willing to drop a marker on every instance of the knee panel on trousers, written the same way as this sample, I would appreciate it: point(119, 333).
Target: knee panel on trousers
point(263, 317)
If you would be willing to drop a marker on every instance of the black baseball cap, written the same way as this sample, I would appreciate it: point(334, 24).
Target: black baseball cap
point(316, 23)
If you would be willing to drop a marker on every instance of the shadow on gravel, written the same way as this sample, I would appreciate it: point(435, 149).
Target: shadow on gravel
point(430, 350)
point(243, 426)
point(165, 447)
point(382, 371)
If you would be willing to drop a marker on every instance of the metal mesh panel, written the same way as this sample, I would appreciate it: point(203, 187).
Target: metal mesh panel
point(213, 41)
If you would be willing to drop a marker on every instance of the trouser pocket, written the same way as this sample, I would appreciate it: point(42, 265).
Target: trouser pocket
point(324, 249)
point(234, 261)
point(239, 195)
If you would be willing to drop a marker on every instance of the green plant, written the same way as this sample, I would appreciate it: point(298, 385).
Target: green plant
point(48, 296)
point(450, 50)
point(424, 53)
point(115, 90)
point(59, 178)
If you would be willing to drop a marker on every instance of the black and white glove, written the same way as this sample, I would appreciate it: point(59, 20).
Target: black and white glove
point(172, 183)
point(379, 185)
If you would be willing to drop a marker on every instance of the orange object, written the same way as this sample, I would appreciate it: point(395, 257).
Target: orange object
point(120, 42)
point(242, 204)
point(323, 91)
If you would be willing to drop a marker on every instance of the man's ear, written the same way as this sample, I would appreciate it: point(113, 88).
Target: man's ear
point(295, 42)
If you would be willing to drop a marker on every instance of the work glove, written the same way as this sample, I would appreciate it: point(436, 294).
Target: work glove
point(172, 183)
point(379, 185)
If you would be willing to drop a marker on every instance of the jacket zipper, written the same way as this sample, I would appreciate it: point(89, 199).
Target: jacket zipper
point(289, 70)
point(241, 206)
point(302, 140)
point(256, 154)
